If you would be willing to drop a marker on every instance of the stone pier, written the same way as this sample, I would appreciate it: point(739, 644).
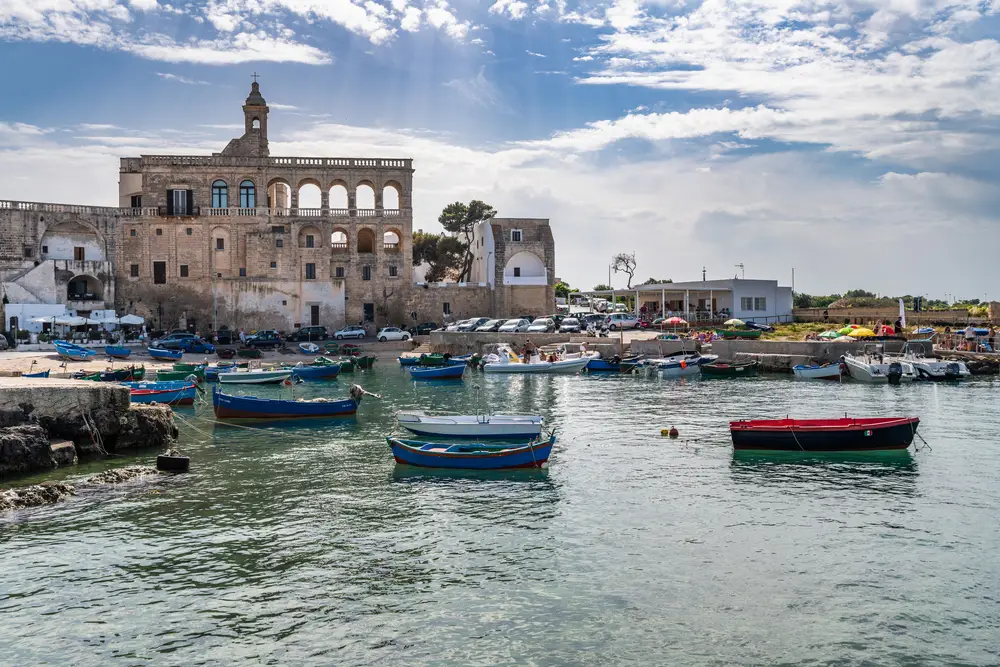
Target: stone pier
point(46, 423)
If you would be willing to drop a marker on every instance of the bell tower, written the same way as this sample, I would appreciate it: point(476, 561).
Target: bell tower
point(255, 117)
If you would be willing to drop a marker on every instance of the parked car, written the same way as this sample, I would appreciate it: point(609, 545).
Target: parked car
point(455, 325)
point(350, 331)
point(593, 320)
point(570, 325)
point(489, 326)
point(392, 333)
point(473, 324)
point(307, 334)
point(4, 343)
point(197, 346)
point(264, 340)
point(621, 321)
point(542, 325)
point(172, 341)
point(423, 328)
point(557, 318)
point(515, 326)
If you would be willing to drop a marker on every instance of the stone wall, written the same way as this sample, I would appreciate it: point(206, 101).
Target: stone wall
point(464, 302)
point(512, 299)
point(466, 343)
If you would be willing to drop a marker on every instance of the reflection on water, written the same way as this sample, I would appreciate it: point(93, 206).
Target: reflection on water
point(304, 544)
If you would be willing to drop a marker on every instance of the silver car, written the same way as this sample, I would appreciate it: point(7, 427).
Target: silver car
point(515, 326)
point(542, 325)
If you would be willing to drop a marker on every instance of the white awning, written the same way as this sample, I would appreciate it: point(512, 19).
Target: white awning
point(130, 319)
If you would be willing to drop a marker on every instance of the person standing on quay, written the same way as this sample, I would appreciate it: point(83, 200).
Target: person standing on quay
point(970, 337)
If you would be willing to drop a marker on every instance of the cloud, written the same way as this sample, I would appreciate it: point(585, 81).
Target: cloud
point(181, 79)
point(240, 48)
point(144, 5)
point(536, 55)
point(479, 90)
point(516, 9)
point(441, 17)
point(411, 19)
point(282, 107)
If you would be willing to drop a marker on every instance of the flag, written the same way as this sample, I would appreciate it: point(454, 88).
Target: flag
point(902, 313)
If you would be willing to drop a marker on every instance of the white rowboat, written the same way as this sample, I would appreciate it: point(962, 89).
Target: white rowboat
point(828, 372)
point(473, 426)
point(255, 377)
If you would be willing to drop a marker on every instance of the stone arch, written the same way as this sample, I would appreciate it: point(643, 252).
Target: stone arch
point(59, 241)
point(392, 240)
point(524, 265)
point(392, 195)
point(309, 193)
point(84, 287)
point(364, 195)
point(339, 240)
point(338, 195)
point(366, 240)
point(279, 195)
point(310, 237)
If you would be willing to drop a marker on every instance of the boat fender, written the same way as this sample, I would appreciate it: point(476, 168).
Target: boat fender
point(672, 432)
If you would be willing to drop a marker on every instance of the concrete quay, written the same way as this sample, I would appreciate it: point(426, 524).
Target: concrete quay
point(47, 422)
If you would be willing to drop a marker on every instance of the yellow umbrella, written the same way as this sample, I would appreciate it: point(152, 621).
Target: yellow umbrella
point(861, 333)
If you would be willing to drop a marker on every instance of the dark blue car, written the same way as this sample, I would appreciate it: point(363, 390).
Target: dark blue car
point(197, 346)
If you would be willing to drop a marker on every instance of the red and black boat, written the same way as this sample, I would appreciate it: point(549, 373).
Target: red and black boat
point(824, 435)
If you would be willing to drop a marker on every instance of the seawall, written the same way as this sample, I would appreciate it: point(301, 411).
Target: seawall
point(781, 356)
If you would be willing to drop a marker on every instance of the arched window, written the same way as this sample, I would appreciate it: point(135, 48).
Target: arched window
point(366, 240)
point(248, 195)
point(220, 195)
point(256, 123)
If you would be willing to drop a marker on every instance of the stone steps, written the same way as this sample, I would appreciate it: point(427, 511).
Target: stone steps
point(424, 348)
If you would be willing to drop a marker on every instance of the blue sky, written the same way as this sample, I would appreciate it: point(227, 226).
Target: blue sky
point(854, 140)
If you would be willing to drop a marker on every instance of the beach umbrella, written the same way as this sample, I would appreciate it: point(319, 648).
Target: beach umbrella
point(854, 326)
point(829, 335)
point(843, 339)
point(734, 323)
point(71, 320)
point(861, 333)
point(845, 331)
point(676, 320)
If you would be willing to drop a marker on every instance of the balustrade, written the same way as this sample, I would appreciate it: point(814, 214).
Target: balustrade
point(154, 211)
point(133, 164)
point(338, 247)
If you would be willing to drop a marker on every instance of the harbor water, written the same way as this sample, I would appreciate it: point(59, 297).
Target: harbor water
point(303, 544)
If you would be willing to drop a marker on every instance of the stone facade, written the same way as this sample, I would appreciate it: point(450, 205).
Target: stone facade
point(516, 257)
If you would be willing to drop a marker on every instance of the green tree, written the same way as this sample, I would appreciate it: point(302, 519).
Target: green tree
point(564, 290)
point(602, 288)
point(461, 219)
point(801, 300)
point(656, 281)
point(441, 253)
point(858, 294)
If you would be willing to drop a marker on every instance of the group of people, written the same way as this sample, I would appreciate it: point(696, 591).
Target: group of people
point(969, 339)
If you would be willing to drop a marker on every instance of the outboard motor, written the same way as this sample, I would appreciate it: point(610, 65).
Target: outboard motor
point(952, 371)
point(895, 372)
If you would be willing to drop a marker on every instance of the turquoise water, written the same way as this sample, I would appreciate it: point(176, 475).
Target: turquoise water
point(304, 546)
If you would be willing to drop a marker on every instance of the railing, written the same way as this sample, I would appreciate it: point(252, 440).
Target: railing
point(308, 212)
point(390, 212)
point(192, 211)
point(161, 211)
point(135, 165)
point(366, 212)
point(338, 247)
point(390, 247)
point(12, 205)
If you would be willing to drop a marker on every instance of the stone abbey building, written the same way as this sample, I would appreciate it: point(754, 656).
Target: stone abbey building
point(231, 238)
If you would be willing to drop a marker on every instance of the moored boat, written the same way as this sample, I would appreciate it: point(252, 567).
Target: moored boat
point(817, 372)
point(471, 456)
point(615, 364)
point(472, 426)
point(117, 351)
point(160, 353)
point(130, 374)
point(228, 406)
point(437, 372)
point(40, 374)
point(170, 393)
point(255, 376)
point(845, 434)
point(725, 369)
point(212, 372)
point(936, 369)
point(678, 365)
point(320, 372)
point(170, 376)
point(309, 348)
point(365, 361)
point(408, 361)
point(504, 360)
point(72, 351)
point(877, 369)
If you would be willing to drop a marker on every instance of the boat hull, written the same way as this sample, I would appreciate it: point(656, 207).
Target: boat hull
point(824, 435)
point(441, 455)
point(565, 366)
point(409, 361)
point(473, 426)
point(830, 372)
point(877, 373)
point(255, 377)
point(42, 374)
point(227, 406)
point(169, 393)
point(73, 352)
point(940, 371)
point(731, 334)
point(117, 352)
point(157, 353)
point(321, 372)
point(717, 370)
point(437, 373)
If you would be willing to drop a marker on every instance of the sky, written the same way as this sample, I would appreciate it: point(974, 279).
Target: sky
point(855, 141)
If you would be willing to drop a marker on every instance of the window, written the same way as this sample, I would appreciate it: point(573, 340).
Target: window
point(45, 249)
point(248, 195)
point(136, 201)
point(180, 202)
point(184, 270)
point(746, 303)
point(278, 243)
point(369, 312)
point(310, 241)
point(189, 231)
point(133, 270)
point(274, 265)
point(366, 273)
point(159, 232)
point(314, 314)
point(243, 272)
point(446, 308)
point(78, 254)
point(517, 271)
point(220, 244)
point(310, 272)
point(340, 272)
point(760, 303)
point(159, 273)
point(515, 235)
point(131, 232)
point(277, 229)
point(392, 271)
point(220, 194)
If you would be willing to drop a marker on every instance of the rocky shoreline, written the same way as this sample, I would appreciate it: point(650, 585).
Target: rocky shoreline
point(48, 493)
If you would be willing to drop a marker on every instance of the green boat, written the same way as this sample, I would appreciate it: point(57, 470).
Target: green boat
point(739, 334)
point(432, 360)
point(169, 376)
point(347, 365)
point(366, 362)
point(725, 369)
point(323, 361)
point(331, 348)
point(188, 367)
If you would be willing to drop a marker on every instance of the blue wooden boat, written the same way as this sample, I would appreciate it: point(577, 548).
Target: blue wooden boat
point(212, 372)
point(471, 456)
point(409, 361)
point(457, 361)
point(72, 351)
point(321, 372)
point(117, 351)
point(436, 372)
point(160, 353)
point(227, 406)
point(603, 365)
point(42, 374)
point(170, 393)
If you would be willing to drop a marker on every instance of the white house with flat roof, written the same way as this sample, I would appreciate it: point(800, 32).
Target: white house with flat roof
point(759, 301)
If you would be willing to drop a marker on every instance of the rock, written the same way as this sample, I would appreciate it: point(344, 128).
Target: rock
point(32, 496)
point(119, 475)
point(144, 426)
point(12, 416)
point(24, 449)
point(63, 452)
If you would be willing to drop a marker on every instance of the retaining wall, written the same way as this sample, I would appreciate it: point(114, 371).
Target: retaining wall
point(454, 342)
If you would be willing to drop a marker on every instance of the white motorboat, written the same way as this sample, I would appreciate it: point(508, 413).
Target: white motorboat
point(504, 360)
point(473, 426)
point(878, 369)
point(935, 369)
point(255, 376)
point(677, 365)
point(826, 372)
